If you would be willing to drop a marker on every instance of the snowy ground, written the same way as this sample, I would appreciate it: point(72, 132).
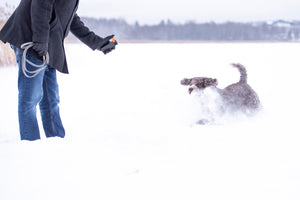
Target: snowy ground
point(130, 130)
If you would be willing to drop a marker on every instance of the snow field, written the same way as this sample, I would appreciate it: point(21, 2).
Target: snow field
point(130, 131)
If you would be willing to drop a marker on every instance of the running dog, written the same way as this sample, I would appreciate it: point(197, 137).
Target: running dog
point(237, 97)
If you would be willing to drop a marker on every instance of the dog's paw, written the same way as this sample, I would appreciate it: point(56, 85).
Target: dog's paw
point(202, 122)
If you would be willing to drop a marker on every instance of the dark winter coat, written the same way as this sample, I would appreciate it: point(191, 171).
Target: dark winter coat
point(47, 21)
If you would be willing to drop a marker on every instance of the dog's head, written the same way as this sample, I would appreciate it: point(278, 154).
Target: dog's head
point(199, 82)
point(186, 81)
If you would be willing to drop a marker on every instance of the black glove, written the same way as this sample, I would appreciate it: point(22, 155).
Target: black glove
point(106, 45)
point(40, 48)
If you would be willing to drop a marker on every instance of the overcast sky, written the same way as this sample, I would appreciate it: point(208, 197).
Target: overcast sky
point(153, 11)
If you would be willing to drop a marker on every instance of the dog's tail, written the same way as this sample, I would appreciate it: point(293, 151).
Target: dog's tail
point(243, 72)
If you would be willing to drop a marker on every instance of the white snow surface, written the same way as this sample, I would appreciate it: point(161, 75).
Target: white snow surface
point(131, 133)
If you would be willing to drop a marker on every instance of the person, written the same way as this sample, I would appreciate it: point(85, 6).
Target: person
point(36, 31)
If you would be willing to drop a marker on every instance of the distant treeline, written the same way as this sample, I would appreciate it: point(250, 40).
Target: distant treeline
point(168, 31)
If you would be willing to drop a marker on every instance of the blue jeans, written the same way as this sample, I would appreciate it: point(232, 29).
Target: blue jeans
point(43, 90)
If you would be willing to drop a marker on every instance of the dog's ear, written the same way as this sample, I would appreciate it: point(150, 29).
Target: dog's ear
point(191, 90)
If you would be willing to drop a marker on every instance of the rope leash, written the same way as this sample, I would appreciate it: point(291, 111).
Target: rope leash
point(34, 73)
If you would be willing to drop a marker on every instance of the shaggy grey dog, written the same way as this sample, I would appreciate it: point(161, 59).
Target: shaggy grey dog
point(237, 97)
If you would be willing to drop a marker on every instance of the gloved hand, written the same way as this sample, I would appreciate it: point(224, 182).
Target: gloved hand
point(40, 48)
point(106, 45)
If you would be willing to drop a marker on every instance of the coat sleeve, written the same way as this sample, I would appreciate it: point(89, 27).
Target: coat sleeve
point(84, 34)
point(41, 12)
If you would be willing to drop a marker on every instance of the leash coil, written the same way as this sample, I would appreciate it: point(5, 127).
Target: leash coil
point(34, 73)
